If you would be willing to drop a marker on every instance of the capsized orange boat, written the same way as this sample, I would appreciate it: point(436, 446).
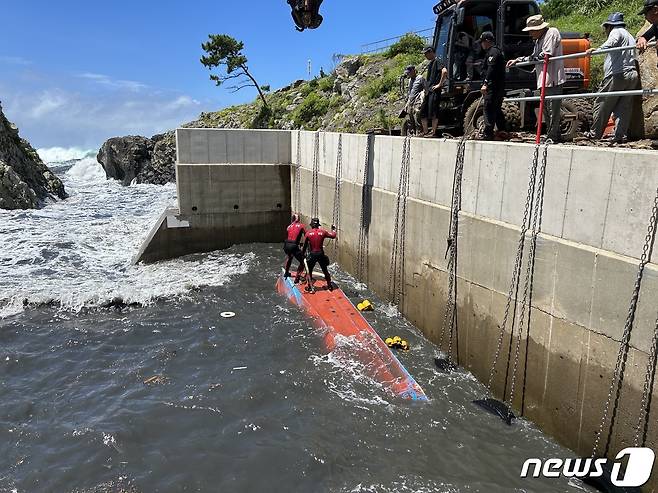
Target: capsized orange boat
point(333, 311)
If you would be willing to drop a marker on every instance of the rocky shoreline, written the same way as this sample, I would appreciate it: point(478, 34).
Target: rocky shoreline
point(25, 181)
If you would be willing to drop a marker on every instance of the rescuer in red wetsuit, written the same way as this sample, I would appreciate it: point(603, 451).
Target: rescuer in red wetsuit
point(294, 235)
point(314, 240)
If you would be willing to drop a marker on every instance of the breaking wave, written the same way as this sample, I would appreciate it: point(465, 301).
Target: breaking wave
point(64, 154)
point(77, 253)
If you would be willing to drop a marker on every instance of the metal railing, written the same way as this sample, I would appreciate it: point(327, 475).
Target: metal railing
point(582, 54)
point(384, 44)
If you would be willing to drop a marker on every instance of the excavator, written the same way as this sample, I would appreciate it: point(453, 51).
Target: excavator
point(459, 23)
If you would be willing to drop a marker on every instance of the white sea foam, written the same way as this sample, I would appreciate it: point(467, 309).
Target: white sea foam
point(64, 154)
point(87, 169)
point(77, 253)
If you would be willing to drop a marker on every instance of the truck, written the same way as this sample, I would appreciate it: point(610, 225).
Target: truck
point(459, 24)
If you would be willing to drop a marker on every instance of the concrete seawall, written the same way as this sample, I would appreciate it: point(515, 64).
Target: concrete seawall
point(233, 187)
point(596, 210)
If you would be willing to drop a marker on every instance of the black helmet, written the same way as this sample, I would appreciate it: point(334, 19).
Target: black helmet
point(315, 223)
point(295, 218)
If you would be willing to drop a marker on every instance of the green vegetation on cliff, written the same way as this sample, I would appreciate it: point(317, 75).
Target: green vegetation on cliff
point(362, 93)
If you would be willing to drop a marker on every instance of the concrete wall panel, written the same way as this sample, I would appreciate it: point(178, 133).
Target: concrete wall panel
point(587, 200)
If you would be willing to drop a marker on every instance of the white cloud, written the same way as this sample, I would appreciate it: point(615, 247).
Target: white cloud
point(107, 81)
point(14, 60)
point(182, 102)
point(46, 103)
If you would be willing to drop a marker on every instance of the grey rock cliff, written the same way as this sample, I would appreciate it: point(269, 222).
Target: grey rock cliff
point(25, 181)
point(139, 158)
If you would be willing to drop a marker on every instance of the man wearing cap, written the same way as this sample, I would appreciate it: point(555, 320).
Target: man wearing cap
point(415, 96)
point(493, 86)
point(619, 74)
point(650, 13)
point(437, 74)
point(548, 41)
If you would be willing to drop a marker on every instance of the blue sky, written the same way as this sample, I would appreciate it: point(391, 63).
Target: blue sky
point(74, 73)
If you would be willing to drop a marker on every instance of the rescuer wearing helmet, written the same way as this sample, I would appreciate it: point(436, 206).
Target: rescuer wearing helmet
point(314, 240)
point(295, 232)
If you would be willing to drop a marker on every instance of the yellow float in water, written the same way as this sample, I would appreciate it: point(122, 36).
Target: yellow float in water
point(365, 306)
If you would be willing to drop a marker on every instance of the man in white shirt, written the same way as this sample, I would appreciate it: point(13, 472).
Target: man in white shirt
point(619, 74)
point(548, 41)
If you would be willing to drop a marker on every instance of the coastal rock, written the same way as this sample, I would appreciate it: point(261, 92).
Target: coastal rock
point(25, 181)
point(163, 161)
point(123, 158)
point(649, 75)
point(140, 159)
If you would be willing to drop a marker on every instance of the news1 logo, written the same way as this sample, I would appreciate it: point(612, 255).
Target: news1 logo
point(637, 472)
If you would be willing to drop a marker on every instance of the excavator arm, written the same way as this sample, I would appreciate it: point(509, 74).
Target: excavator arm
point(306, 13)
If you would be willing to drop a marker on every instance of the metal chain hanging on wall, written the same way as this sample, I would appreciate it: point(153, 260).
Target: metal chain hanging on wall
point(298, 174)
point(364, 220)
point(450, 315)
point(526, 300)
point(505, 412)
point(649, 381)
point(396, 273)
point(335, 218)
point(624, 346)
point(316, 175)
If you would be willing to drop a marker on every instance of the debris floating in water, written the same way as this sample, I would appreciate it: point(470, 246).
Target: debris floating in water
point(239, 368)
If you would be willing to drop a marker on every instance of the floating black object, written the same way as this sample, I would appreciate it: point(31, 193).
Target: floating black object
point(444, 365)
point(498, 408)
point(604, 483)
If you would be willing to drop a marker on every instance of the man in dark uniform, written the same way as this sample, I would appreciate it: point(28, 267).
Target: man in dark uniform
point(437, 74)
point(294, 234)
point(493, 86)
point(315, 240)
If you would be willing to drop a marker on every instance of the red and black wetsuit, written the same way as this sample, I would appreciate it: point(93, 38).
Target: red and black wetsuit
point(315, 240)
point(294, 235)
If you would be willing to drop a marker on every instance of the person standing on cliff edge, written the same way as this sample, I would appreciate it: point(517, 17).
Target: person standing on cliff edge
point(294, 235)
point(315, 241)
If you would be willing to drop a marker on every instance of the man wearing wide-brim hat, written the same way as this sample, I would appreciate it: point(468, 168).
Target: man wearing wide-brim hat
point(619, 74)
point(548, 41)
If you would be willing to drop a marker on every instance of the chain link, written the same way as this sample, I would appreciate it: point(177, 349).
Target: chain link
point(335, 218)
point(526, 300)
point(316, 172)
point(450, 314)
point(363, 245)
point(649, 380)
point(396, 272)
point(297, 196)
point(622, 355)
point(516, 273)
